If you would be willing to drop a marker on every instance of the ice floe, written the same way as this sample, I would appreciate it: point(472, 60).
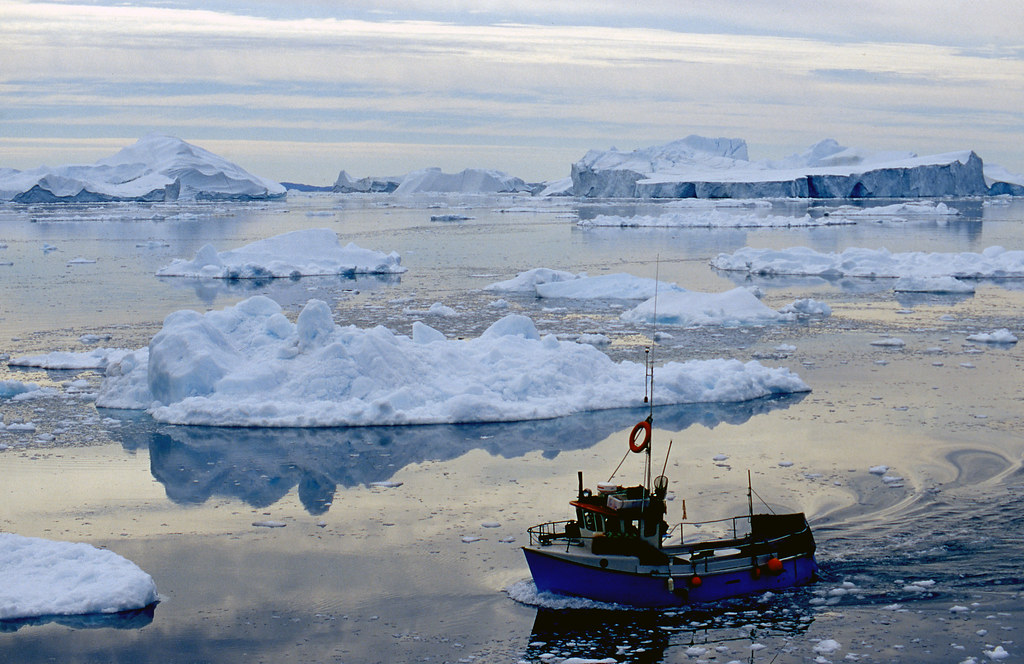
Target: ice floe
point(40, 577)
point(248, 365)
point(1000, 336)
point(97, 358)
point(315, 251)
point(993, 263)
point(732, 308)
point(932, 285)
point(712, 219)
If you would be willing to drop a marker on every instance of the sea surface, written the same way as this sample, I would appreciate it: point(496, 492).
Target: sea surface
point(401, 544)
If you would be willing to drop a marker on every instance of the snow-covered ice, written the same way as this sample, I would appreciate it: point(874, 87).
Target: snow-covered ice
point(40, 577)
point(527, 282)
point(315, 251)
point(992, 263)
point(156, 168)
point(468, 181)
point(248, 365)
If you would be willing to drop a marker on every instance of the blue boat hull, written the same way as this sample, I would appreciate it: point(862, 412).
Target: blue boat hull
point(554, 574)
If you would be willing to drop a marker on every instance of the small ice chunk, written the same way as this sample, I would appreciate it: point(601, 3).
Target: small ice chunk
point(889, 342)
point(1000, 336)
point(878, 470)
point(785, 464)
point(469, 539)
point(997, 653)
point(269, 524)
point(490, 524)
point(827, 646)
point(386, 484)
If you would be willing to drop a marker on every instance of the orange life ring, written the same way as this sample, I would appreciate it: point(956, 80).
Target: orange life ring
point(644, 426)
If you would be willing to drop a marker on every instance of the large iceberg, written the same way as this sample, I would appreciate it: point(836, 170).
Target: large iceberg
point(248, 365)
point(156, 168)
point(314, 251)
point(435, 181)
point(698, 167)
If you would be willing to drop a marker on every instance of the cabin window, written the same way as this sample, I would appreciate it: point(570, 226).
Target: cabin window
point(588, 520)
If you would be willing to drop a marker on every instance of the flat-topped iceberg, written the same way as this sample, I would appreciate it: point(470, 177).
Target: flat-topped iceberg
point(248, 365)
point(315, 251)
point(992, 263)
point(156, 168)
point(698, 167)
point(40, 577)
point(433, 180)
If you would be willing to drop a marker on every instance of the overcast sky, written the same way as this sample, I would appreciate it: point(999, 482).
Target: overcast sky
point(299, 90)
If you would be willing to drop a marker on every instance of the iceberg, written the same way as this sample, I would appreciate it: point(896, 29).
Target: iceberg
point(314, 251)
point(156, 168)
point(345, 184)
point(698, 167)
point(469, 181)
point(248, 365)
point(434, 181)
point(40, 577)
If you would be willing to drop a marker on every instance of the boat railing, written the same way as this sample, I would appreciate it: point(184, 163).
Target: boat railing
point(548, 533)
point(737, 526)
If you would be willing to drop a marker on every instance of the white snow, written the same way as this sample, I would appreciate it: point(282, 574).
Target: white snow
point(731, 308)
point(993, 262)
point(1000, 336)
point(314, 251)
point(248, 365)
point(156, 168)
point(41, 577)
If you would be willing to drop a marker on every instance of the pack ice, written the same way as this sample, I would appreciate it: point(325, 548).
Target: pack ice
point(248, 365)
point(156, 168)
point(699, 167)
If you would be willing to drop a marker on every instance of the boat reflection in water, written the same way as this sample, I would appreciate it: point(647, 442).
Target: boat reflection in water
point(731, 630)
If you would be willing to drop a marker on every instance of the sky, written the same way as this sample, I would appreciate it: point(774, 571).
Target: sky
point(299, 90)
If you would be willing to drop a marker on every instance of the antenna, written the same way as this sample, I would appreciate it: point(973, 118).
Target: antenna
point(654, 333)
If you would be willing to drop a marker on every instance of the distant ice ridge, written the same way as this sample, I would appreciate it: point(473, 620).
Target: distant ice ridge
point(992, 263)
point(248, 365)
point(315, 251)
point(40, 577)
point(433, 180)
point(156, 168)
point(698, 167)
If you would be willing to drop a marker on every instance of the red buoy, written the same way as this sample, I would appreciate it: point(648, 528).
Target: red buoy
point(775, 566)
point(695, 581)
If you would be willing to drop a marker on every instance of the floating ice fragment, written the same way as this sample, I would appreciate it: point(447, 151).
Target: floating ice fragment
point(996, 653)
point(388, 484)
point(269, 524)
point(958, 609)
point(1000, 336)
point(878, 470)
point(720, 457)
point(469, 539)
point(785, 464)
point(890, 342)
point(490, 524)
point(827, 646)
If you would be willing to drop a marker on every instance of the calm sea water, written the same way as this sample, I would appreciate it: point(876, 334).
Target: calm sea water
point(400, 543)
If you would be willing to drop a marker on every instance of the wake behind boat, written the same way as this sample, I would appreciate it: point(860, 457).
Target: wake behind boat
point(620, 549)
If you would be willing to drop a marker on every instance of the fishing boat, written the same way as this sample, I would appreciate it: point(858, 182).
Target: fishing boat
point(620, 548)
